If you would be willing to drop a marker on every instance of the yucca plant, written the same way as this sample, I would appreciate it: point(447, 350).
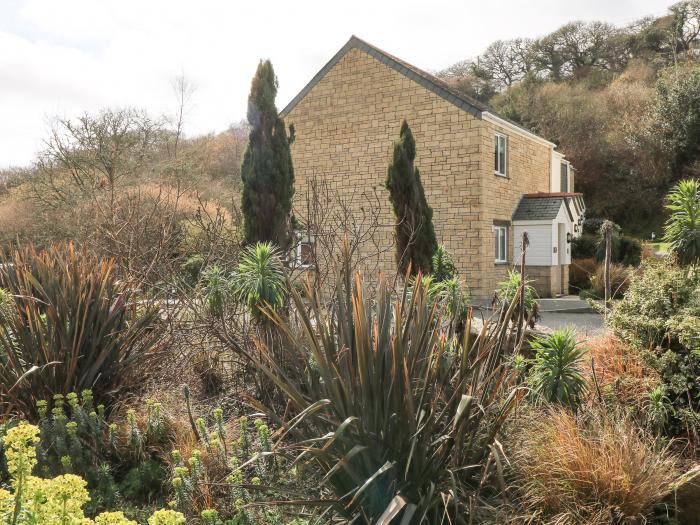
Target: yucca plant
point(400, 433)
point(509, 291)
point(74, 326)
point(682, 230)
point(443, 265)
point(452, 297)
point(260, 279)
point(557, 369)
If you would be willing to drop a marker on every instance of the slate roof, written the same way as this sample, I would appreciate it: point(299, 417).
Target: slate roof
point(428, 81)
point(538, 208)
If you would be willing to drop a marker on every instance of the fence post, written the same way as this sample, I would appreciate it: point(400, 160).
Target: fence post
point(521, 307)
point(607, 230)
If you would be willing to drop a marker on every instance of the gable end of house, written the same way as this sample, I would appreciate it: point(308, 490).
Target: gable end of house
point(423, 78)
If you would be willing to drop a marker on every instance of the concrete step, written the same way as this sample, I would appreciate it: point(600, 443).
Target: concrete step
point(565, 304)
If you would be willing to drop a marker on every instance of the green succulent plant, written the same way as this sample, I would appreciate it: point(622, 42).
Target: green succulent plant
point(557, 372)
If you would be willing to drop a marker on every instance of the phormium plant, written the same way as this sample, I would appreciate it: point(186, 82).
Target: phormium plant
point(74, 326)
point(397, 430)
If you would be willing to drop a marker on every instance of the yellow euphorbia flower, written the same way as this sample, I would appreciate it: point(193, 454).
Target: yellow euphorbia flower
point(166, 517)
point(113, 518)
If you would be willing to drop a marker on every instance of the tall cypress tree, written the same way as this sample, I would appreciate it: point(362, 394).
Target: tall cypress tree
point(267, 171)
point(415, 234)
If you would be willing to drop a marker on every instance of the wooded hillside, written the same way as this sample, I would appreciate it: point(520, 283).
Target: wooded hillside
point(623, 104)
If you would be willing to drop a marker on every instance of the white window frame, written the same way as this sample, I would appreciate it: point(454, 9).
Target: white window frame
point(304, 239)
point(496, 171)
point(498, 232)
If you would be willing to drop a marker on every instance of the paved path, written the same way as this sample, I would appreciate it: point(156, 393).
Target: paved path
point(571, 312)
point(567, 312)
point(584, 324)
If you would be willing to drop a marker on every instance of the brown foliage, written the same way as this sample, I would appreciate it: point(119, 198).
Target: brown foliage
point(619, 280)
point(594, 468)
point(581, 271)
point(620, 369)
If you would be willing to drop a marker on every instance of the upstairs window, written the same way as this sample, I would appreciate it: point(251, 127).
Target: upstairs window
point(501, 238)
point(500, 155)
point(564, 184)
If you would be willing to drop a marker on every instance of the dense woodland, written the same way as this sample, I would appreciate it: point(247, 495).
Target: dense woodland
point(166, 358)
point(623, 104)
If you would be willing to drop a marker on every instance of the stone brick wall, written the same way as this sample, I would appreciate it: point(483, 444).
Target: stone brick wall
point(547, 279)
point(345, 129)
point(528, 171)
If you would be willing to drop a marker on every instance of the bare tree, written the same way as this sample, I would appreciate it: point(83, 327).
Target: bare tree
point(94, 155)
point(508, 61)
point(184, 91)
point(338, 225)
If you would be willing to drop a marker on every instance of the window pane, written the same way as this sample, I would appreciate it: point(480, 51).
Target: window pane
point(495, 149)
point(503, 244)
point(503, 156)
point(306, 254)
point(495, 236)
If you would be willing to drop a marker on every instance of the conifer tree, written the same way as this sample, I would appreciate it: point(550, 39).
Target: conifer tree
point(267, 172)
point(415, 234)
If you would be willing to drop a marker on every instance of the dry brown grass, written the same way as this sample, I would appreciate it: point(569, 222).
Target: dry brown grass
point(17, 217)
point(619, 280)
point(593, 468)
point(620, 369)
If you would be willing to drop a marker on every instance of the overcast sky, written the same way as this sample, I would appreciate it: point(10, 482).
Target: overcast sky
point(65, 57)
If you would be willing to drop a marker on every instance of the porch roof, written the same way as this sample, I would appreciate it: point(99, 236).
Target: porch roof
point(541, 206)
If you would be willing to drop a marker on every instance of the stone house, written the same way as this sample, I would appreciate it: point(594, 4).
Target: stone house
point(487, 179)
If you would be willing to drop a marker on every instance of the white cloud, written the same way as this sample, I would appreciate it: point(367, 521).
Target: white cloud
point(70, 56)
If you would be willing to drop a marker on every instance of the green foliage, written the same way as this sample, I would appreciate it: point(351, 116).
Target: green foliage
point(658, 410)
point(682, 231)
point(58, 500)
point(143, 483)
point(376, 407)
point(6, 307)
point(660, 315)
point(216, 290)
point(556, 375)
point(677, 112)
point(451, 299)
point(443, 265)
point(415, 234)
point(585, 246)
point(625, 250)
point(75, 326)
point(192, 268)
point(119, 465)
point(267, 172)
point(226, 473)
point(508, 292)
point(260, 279)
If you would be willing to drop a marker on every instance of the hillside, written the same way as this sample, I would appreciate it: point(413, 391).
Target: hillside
point(623, 103)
